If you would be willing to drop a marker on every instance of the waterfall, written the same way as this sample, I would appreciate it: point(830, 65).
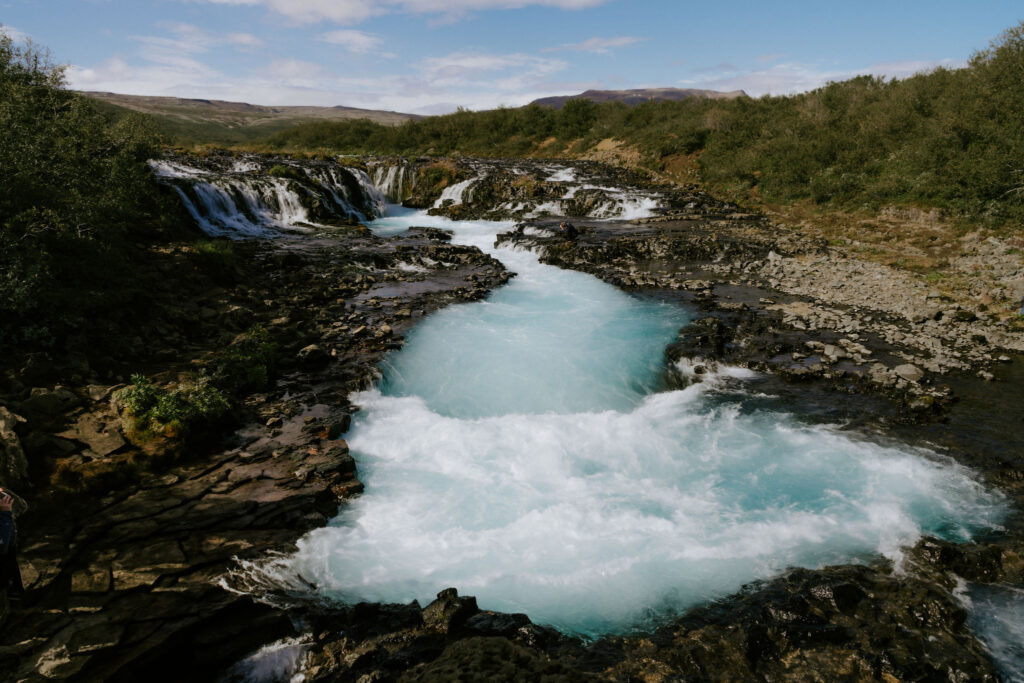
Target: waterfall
point(372, 195)
point(457, 193)
point(391, 180)
point(233, 198)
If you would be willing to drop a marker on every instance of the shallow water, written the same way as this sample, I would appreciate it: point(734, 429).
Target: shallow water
point(522, 449)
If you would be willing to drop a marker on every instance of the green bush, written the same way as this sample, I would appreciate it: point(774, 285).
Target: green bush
point(189, 408)
point(74, 191)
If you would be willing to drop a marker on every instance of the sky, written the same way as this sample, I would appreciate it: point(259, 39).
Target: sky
point(432, 56)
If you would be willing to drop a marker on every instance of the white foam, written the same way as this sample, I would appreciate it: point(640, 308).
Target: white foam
point(997, 616)
point(274, 663)
point(171, 169)
point(563, 175)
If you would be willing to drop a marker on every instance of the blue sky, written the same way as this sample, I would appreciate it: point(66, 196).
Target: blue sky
point(430, 56)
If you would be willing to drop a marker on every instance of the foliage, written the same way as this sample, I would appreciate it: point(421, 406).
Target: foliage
point(248, 364)
point(950, 139)
point(74, 189)
point(186, 409)
point(282, 171)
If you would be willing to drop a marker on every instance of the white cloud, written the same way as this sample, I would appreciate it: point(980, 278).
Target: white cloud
point(793, 77)
point(598, 45)
point(463, 66)
point(353, 41)
point(244, 40)
point(472, 79)
point(356, 11)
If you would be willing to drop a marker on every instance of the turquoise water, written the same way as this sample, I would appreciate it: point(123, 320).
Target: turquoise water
point(522, 449)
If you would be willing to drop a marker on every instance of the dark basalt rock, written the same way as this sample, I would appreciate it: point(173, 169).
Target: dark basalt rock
point(123, 583)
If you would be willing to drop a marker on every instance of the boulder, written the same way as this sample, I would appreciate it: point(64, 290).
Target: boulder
point(339, 427)
point(909, 372)
point(49, 403)
point(102, 436)
point(449, 611)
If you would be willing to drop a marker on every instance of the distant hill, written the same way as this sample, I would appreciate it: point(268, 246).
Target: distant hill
point(191, 121)
point(634, 97)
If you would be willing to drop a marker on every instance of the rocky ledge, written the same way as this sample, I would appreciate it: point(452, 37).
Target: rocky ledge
point(126, 584)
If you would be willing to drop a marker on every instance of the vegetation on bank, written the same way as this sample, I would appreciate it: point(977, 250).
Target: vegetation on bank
point(75, 194)
point(191, 412)
point(951, 138)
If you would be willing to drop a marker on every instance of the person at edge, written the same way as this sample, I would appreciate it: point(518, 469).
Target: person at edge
point(10, 573)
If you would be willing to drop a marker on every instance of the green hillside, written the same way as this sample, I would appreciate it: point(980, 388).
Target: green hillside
point(951, 139)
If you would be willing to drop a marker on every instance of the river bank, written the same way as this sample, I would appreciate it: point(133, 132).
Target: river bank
point(139, 587)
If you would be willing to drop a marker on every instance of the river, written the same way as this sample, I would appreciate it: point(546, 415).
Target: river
point(536, 450)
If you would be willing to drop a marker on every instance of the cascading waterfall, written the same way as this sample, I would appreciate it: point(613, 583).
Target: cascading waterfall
point(237, 201)
point(394, 181)
point(459, 193)
point(371, 194)
point(522, 449)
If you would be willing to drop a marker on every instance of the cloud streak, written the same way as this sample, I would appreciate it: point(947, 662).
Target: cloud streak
point(174, 66)
point(598, 45)
point(353, 41)
point(349, 12)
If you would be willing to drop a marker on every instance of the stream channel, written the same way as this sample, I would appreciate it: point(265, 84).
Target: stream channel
point(536, 450)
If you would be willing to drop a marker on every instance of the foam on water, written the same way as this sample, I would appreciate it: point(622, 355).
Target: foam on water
point(515, 451)
point(997, 616)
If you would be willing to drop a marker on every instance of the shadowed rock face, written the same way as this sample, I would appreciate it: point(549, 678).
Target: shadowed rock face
point(857, 623)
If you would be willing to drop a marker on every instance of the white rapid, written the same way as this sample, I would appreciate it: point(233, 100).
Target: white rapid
point(523, 450)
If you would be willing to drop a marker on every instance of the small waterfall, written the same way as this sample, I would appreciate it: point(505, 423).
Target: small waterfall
point(372, 195)
point(391, 181)
point(457, 193)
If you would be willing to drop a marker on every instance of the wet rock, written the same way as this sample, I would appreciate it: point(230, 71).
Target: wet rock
point(449, 611)
point(339, 427)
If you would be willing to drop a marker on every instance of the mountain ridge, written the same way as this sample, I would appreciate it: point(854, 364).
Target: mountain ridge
point(225, 122)
point(638, 95)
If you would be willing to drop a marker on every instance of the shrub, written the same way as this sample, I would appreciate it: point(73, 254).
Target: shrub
point(246, 365)
point(149, 411)
point(218, 259)
point(74, 191)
